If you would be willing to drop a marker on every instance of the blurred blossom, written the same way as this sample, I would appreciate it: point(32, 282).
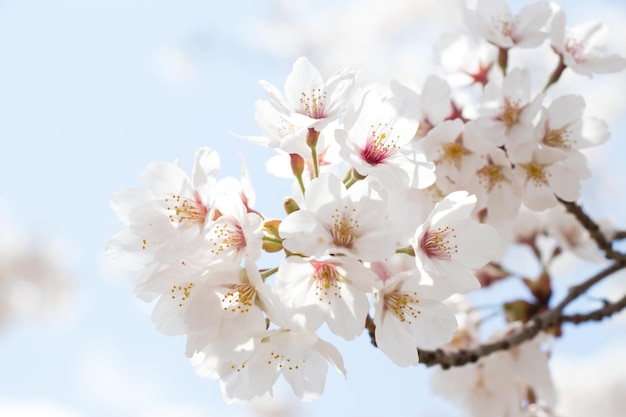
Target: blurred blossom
point(34, 280)
point(176, 64)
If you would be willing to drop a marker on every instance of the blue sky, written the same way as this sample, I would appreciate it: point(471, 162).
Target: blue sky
point(84, 107)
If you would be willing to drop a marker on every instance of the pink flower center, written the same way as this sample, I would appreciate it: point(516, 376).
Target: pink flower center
point(439, 244)
point(344, 228)
point(401, 305)
point(379, 145)
point(239, 299)
point(226, 236)
point(328, 280)
point(186, 211)
point(313, 104)
point(575, 49)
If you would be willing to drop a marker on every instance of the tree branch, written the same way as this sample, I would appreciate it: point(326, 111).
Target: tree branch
point(608, 310)
point(594, 231)
point(528, 331)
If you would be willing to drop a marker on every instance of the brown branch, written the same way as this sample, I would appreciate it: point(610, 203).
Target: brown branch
point(619, 235)
point(594, 231)
point(607, 311)
point(529, 330)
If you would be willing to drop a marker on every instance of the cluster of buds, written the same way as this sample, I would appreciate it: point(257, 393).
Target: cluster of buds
point(400, 196)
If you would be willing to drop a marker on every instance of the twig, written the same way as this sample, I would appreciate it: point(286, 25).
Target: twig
point(608, 310)
point(543, 321)
point(594, 231)
point(619, 235)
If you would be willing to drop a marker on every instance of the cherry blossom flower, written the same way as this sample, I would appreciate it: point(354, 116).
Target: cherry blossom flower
point(279, 130)
point(492, 20)
point(464, 61)
point(545, 176)
point(569, 234)
point(301, 358)
point(563, 126)
point(309, 101)
point(166, 221)
point(506, 112)
point(447, 245)
point(582, 48)
point(234, 235)
point(498, 384)
point(375, 143)
point(34, 277)
point(496, 187)
point(336, 286)
point(432, 106)
point(456, 156)
point(409, 314)
point(484, 389)
point(336, 220)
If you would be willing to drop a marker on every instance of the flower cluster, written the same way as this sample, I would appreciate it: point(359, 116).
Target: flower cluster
point(401, 196)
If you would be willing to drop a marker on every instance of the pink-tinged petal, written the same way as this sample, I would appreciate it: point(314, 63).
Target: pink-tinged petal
point(532, 365)
point(332, 355)
point(530, 20)
point(303, 234)
point(323, 191)
point(456, 205)
point(435, 324)
point(309, 381)
point(276, 98)
point(557, 31)
point(339, 87)
point(605, 64)
point(395, 341)
point(564, 184)
point(594, 132)
point(125, 201)
point(124, 251)
point(377, 245)
point(247, 375)
point(304, 86)
point(206, 167)
point(476, 242)
point(450, 277)
point(168, 313)
point(565, 110)
point(165, 178)
point(516, 86)
point(538, 197)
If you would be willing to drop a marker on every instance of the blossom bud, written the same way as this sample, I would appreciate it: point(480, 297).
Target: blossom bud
point(271, 239)
point(518, 310)
point(290, 205)
point(297, 164)
point(540, 288)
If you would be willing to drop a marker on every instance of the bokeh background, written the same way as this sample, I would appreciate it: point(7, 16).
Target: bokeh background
point(92, 91)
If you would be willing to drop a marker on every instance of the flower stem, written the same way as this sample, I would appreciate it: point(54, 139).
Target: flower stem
point(272, 240)
point(352, 177)
point(297, 167)
point(311, 141)
point(408, 250)
point(503, 59)
point(554, 77)
point(268, 273)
